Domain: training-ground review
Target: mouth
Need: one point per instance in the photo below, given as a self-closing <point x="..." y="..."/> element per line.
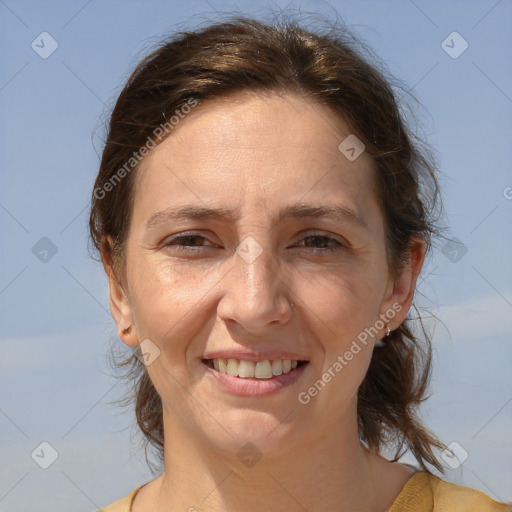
<point x="244" y="369"/>
<point x="254" y="378"/>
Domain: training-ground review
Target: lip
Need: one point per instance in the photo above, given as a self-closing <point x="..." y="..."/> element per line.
<point x="251" y="386"/>
<point x="255" y="355"/>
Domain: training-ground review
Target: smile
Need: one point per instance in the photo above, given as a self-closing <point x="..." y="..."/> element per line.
<point x="254" y="369"/>
<point x="252" y="378"/>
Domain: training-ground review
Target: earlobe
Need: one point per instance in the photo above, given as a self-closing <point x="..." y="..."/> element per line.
<point x="120" y="306"/>
<point x="122" y="312"/>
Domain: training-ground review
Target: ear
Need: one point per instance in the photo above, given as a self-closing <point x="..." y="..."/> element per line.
<point x="120" y="305"/>
<point x="401" y="288"/>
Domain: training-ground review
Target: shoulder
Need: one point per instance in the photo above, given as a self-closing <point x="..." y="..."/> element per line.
<point x="428" y="493"/>
<point x="122" y="505"/>
<point x="456" y="497"/>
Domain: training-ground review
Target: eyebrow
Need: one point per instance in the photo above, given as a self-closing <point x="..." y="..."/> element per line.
<point x="295" y="211"/>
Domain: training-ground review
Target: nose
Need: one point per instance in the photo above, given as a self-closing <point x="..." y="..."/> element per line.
<point x="257" y="292"/>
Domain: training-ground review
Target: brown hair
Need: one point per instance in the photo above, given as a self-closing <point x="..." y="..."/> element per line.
<point x="247" y="55"/>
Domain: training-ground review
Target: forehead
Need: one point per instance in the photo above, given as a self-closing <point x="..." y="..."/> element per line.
<point x="255" y="147"/>
<point x="261" y="121"/>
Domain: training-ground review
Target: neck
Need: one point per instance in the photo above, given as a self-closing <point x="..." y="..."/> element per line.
<point x="330" y="470"/>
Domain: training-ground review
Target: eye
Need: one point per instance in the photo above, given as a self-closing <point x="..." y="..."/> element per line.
<point x="188" y="242"/>
<point x="194" y="242"/>
<point x="322" y="240"/>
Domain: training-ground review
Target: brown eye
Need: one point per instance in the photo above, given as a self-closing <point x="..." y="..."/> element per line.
<point x="188" y="242"/>
<point x="320" y="242"/>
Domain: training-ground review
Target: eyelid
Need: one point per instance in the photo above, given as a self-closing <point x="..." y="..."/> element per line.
<point x="339" y="245"/>
<point x="338" y="238"/>
<point x="343" y="243"/>
<point x="187" y="234"/>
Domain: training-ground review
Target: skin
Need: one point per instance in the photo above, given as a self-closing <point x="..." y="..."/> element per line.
<point x="255" y="154"/>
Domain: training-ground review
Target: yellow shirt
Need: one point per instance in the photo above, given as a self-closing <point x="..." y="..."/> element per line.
<point x="422" y="493"/>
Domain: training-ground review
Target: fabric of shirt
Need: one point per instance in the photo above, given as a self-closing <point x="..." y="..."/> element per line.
<point x="423" y="492"/>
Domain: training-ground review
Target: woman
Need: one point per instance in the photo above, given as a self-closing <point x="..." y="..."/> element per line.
<point x="263" y="215"/>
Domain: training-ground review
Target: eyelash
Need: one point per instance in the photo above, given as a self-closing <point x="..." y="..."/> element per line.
<point x="182" y="247"/>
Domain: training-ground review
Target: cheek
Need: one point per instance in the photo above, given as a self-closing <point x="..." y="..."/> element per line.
<point x="343" y="310"/>
<point x="164" y="306"/>
<point x="160" y="301"/>
<point x="343" y="301"/>
<point x="167" y="301"/>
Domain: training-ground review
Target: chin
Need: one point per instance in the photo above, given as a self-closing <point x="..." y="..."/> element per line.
<point x="263" y="433"/>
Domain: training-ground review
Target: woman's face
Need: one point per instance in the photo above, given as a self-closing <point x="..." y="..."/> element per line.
<point x="204" y="287"/>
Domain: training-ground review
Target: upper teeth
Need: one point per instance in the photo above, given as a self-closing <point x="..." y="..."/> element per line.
<point x="259" y="370"/>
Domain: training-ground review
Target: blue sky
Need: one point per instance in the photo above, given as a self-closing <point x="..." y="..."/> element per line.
<point x="55" y="327"/>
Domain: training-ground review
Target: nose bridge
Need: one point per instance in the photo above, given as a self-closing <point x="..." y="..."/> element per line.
<point x="256" y="272"/>
<point x="255" y="295"/>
